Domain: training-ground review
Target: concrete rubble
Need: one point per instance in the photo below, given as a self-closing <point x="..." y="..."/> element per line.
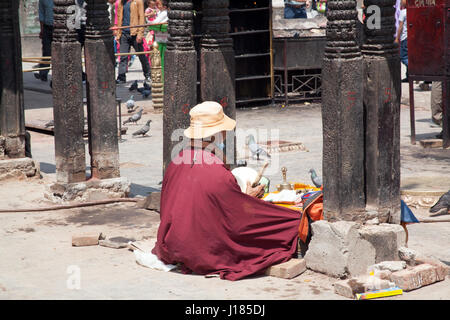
<point x="413" y="272"/>
<point x="91" y="190"/>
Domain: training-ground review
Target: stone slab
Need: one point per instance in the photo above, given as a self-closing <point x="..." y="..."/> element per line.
<point x="287" y="270"/>
<point x="349" y="287"/>
<point x="391" y="266"/>
<point x="442" y="270"/>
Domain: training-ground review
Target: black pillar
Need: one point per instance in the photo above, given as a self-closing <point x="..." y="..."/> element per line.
<point x="67" y="89"/>
<point x="217" y="62"/>
<point x="180" y="76"/>
<point x="101" y="92"/>
<point x="12" y="123"/>
<point x="342" y="116"/>
<point x="382" y="95"/>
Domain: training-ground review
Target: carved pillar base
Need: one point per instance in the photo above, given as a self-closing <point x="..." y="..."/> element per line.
<point x="158" y="95"/>
<point x="180" y="95"/>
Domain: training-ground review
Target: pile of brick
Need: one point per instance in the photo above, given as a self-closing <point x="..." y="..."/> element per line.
<point x="412" y="272"/>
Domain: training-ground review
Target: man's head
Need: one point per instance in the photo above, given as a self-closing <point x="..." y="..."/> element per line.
<point x="403" y="4"/>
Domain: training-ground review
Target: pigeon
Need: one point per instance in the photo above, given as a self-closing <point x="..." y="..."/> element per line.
<point x="135" y="117"/>
<point x="143" y="131"/>
<point x="50" y="124"/>
<point x="315" y="178"/>
<point x="130" y="104"/>
<point x="146" y="93"/>
<point x="140" y="90"/>
<point x="255" y="148"/>
<point x="134" y="86"/>
<point x="147" y="86"/>
<point x="443" y="203"/>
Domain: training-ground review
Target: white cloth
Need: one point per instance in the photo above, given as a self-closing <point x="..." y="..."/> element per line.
<point x="149" y="260"/>
<point x="283" y="195"/>
<point x="402" y="18"/>
<point x="161" y="17"/>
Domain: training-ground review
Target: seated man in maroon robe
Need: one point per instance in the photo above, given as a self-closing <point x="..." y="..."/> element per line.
<point x="208" y="224"/>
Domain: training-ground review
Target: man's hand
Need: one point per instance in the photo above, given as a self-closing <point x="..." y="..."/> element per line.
<point x="257" y="191"/>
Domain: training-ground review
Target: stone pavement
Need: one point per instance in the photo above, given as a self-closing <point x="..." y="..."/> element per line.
<point x="38" y="260"/>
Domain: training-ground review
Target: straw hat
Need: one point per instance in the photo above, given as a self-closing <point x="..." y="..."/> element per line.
<point x="207" y="119"/>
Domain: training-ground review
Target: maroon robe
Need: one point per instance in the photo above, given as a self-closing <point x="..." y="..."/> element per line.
<point x="211" y="227"/>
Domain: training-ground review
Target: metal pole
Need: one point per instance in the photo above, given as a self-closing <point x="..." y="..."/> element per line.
<point x="119" y="103"/>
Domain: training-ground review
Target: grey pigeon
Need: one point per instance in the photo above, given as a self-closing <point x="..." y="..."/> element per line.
<point x="315" y="178"/>
<point x="254" y="147"/>
<point x="134" y="86"/>
<point x="135" y="117"/>
<point x="146" y="93"/>
<point x="443" y="203"/>
<point x="143" y="131"/>
<point x="147" y="86"/>
<point x="130" y="104"/>
<point x="50" y="124"/>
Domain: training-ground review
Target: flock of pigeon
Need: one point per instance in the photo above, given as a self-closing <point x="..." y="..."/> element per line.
<point x="146" y="90"/>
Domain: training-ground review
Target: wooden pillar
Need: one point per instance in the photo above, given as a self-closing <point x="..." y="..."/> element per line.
<point x="342" y="116"/>
<point x="217" y="62"/>
<point x="67" y="97"/>
<point x="180" y="76"/>
<point x="101" y="92"/>
<point x="12" y="123"/>
<point x="382" y="95"/>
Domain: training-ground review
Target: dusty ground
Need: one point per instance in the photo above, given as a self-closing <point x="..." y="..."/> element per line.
<point x="35" y="248"/>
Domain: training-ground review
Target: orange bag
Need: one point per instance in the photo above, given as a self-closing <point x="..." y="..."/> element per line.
<point x="312" y="211"/>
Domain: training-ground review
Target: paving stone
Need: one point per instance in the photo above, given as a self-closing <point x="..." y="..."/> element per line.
<point x="415" y="277"/>
<point x="287" y="270"/>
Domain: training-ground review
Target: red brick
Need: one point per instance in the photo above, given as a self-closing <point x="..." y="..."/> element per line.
<point x="90" y="239"/>
<point x="442" y="269"/>
<point x="416" y="277"/>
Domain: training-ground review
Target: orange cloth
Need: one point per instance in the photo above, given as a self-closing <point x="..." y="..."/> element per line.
<point x="315" y="211"/>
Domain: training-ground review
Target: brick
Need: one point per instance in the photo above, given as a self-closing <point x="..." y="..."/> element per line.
<point x="287" y="270"/>
<point x="416" y="277"/>
<point x="384" y="274"/>
<point x="442" y="270"/>
<point x="407" y="255"/>
<point x="83" y="240"/>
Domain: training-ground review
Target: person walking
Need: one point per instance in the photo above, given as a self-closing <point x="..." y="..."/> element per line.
<point x="46" y="34"/>
<point x="131" y="13"/>
<point x="402" y="38"/>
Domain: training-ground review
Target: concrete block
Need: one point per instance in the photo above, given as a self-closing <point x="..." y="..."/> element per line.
<point x="386" y="239"/>
<point x="337" y="250"/>
<point x="442" y="270"/>
<point x="407" y="255"/>
<point x="391" y="266"/>
<point x="90" y="239"/>
<point x="287" y="270"/>
<point x="416" y="277"/>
